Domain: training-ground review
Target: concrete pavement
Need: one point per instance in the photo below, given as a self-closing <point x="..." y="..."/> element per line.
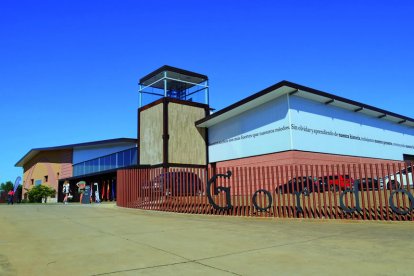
<point x="103" y="239"/>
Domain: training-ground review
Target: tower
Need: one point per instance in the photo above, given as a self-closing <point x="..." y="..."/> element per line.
<point x="167" y="135"/>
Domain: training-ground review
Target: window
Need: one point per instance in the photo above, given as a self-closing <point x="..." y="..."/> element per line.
<point x="127" y="158"/>
<point x="113" y="161"/>
<point x="95" y="165"/>
<point x="134" y="156"/>
<point x="32" y="182"/>
<point x="45" y="178"/>
<point x="120" y="159"/>
<point x="101" y="164"/>
<point x="107" y="161"/>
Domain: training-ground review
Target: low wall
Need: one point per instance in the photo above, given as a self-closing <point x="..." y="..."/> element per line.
<point x="341" y="191"/>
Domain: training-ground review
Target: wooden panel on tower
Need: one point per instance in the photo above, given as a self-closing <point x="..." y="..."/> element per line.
<point x="150" y="134"/>
<point x="186" y="143"/>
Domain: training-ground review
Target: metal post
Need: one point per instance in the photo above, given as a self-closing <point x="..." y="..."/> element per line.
<point x="206" y="94"/>
<point x="140" y="95"/>
<point x="165" y="84"/>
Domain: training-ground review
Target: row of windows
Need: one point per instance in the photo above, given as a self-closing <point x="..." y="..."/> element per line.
<point x="114" y="161"/>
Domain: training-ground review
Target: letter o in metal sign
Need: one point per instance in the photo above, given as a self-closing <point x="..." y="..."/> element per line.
<point x="410" y="199"/>
<point x="269" y="196"/>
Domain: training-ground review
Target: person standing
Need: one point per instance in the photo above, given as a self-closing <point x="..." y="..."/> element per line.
<point x="66" y="191"/>
<point x="97" y="200"/>
<point x="81" y="189"/>
<point x="10" y="196"/>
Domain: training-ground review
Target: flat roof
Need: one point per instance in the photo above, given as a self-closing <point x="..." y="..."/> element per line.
<point x="33" y="152"/>
<point x="286" y="87"/>
<point x="177" y="79"/>
<point x="172" y="69"/>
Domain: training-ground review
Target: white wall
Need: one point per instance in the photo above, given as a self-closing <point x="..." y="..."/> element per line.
<point x="258" y="131"/>
<point x="324" y="128"/>
<point x="83" y="154"/>
<point x="311" y="126"/>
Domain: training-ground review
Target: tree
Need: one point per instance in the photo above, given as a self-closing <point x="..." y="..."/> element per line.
<point x="6" y="186"/>
<point x="38" y="192"/>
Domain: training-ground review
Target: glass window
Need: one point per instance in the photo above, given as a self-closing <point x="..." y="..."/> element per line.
<point x="96" y="165"/>
<point x="120" y="159"/>
<point x="101" y="164"/>
<point x="87" y="167"/>
<point x="113" y="161"/>
<point x="78" y="169"/>
<point x="134" y="156"/>
<point x="107" y="162"/>
<point x="127" y="158"/>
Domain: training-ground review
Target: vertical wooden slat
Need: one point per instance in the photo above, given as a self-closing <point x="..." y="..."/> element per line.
<point x="185" y="190"/>
<point x="139" y="187"/>
<point x="404" y="202"/>
<point x="148" y="189"/>
<point x="380" y="177"/>
<point x="207" y="207"/>
<point x="119" y="178"/>
<point x="298" y="174"/>
<point x="273" y="185"/>
<point x="132" y="187"/>
<point x="374" y="197"/>
<point x="284" y="202"/>
<point x="289" y="187"/>
<point x="322" y="174"/>
<point x="196" y="190"/>
<point x="329" y="187"/>
<point x="249" y="193"/>
<point x="350" y="196"/>
<point x="243" y="191"/>
<point x="367" y="193"/>
<point x="180" y="191"/>
<point x="347" y="184"/>
<point x="268" y="188"/>
<point x="335" y="172"/>
<point x="238" y="193"/>
<point x="314" y="190"/>
<point x="232" y="183"/>
<point x="362" y="199"/>
<point x="390" y="171"/>
<point x="254" y="184"/>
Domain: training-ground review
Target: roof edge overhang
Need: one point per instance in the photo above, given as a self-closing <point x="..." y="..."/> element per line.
<point x="286" y="87"/>
<point x="33" y="152"/>
<point x="172" y="69"/>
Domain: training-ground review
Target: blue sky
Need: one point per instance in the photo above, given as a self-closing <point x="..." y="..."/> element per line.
<point x="69" y="69"/>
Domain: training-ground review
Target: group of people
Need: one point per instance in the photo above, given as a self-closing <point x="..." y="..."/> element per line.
<point x="81" y="190"/>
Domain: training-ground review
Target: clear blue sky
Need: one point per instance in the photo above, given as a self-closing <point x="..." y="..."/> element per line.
<point x="69" y="69"/>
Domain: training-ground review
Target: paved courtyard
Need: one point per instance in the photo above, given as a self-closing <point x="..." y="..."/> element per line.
<point x="107" y="240"/>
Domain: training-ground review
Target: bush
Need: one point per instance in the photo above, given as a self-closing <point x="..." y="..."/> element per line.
<point x="37" y="193"/>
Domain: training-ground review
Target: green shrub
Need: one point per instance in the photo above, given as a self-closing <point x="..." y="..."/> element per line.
<point x="38" y="192"/>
